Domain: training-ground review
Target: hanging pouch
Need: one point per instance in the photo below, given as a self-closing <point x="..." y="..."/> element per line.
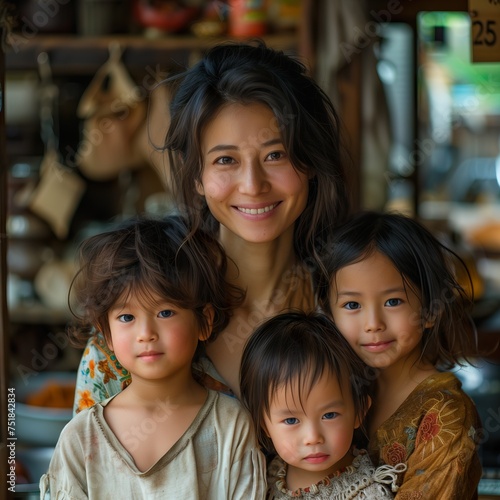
<point x="113" y="113"/>
<point x="57" y="195"/>
<point x="151" y="137"/>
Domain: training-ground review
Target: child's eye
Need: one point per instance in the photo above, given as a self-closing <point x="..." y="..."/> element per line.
<point x="291" y="421"/>
<point x="330" y="415"/>
<point x="126" y="318"/>
<point x="393" y="302"/>
<point x="167" y="313"/>
<point x="352" y="305"/>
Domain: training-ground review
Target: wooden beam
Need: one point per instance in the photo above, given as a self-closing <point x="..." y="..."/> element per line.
<point x="72" y="54"/>
<point x="406" y="11"/>
<point x="350" y="111"/>
<point x="4" y="331"/>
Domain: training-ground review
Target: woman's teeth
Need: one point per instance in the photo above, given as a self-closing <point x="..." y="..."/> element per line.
<point x="254" y="211"/>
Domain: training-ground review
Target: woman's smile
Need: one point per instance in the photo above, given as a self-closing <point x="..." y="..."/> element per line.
<point x="257" y="210"/>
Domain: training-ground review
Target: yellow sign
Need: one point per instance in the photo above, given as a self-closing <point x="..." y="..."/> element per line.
<point x="485" y="30"/>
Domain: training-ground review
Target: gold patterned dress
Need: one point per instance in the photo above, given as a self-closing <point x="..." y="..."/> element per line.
<point x="436" y="433"/>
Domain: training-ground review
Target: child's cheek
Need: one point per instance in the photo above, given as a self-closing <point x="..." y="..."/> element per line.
<point x="288" y="452"/>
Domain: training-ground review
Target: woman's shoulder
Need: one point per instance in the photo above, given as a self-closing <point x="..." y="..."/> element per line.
<point x="97" y="349"/>
<point x="99" y="374"/>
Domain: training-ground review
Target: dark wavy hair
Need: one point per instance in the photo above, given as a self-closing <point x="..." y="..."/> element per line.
<point x="427" y="267"/>
<point x="247" y="73"/>
<point x="147" y="256"/>
<point x="298" y="347"/>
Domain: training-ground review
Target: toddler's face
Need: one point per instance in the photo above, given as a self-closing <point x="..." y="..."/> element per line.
<point x="313" y="436"/>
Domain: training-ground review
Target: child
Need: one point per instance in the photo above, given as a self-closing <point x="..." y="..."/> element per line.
<point x="304" y="388"/>
<point x="394" y="296"/>
<point x="156" y="297"/>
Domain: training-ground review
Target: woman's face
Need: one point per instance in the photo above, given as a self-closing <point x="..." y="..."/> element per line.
<point x="248" y="181"/>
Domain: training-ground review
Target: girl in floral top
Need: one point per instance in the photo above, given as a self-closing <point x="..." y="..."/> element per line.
<point x="393" y="293"/>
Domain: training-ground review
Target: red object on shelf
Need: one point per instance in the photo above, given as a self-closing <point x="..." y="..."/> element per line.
<point x="247" y="18"/>
<point x="171" y="17"/>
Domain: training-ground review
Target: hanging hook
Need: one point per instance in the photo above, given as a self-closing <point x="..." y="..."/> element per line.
<point x="48" y="103"/>
<point x="115" y="51"/>
<point x="44" y="67"/>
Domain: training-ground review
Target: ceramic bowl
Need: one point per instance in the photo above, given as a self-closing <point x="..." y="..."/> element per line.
<point x="37" y="425"/>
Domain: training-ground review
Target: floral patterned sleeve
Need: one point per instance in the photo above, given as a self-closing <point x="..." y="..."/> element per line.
<point x="445" y="463"/>
<point x="99" y="376"/>
<point x="435" y="433"/>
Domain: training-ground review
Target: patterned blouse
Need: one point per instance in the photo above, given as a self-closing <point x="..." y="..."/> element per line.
<point x="435" y="432"/>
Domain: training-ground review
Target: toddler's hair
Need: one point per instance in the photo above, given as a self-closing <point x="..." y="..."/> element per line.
<point x="427" y="267"/>
<point x="298" y="348"/>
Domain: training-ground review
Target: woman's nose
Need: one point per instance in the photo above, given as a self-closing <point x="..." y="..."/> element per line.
<point x="253" y="179"/>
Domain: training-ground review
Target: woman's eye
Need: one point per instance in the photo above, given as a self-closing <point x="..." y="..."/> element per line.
<point x="291" y="421"/>
<point x="330" y="415"/>
<point x="125" y="318"/>
<point x="167" y="313"/>
<point x="275" y="155"/>
<point x="224" y="160"/>
<point x="393" y="302"/>
<point x="351" y="305"/>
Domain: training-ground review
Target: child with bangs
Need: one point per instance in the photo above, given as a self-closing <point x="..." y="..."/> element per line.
<point x="305" y="389"/>
<point x="156" y="298"/>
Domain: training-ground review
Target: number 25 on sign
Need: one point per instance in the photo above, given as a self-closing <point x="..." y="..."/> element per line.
<point x="485" y="30"/>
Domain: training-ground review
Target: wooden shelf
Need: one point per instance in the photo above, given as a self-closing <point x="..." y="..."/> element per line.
<point x="38" y="314"/>
<point x="73" y="54"/>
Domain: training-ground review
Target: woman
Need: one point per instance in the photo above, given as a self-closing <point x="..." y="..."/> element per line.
<point x="256" y="159"/>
